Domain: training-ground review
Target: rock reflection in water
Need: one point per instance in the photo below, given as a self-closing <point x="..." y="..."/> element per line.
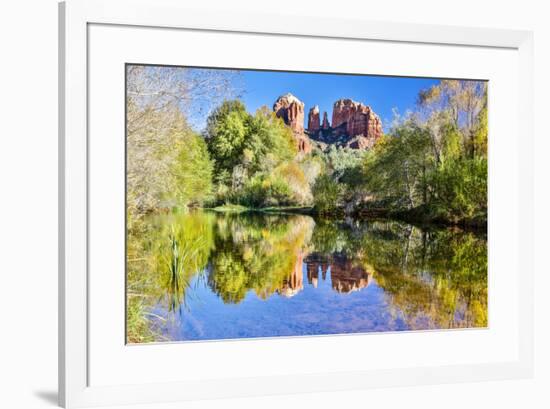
<point x="219" y="276"/>
<point x="346" y="277"/>
<point x="295" y="282"/>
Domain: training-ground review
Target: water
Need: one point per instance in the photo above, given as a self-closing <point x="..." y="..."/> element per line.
<point x="224" y="276"/>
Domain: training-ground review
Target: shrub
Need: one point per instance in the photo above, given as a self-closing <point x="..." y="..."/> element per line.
<point x="264" y="191"/>
<point x="326" y="192"/>
<point x="292" y="174"/>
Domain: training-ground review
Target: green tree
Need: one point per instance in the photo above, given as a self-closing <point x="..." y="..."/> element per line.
<point x="460" y="190"/>
<point x="226" y="131"/>
<point x="480" y="133"/>
<point x="268" y="143"/>
<point x="396" y="170"/>
<point x="192" y="170"/>
<point x="339" y="160"/>
<point x="463" y="100"/>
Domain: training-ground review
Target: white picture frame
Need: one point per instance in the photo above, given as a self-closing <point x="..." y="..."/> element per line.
<point x="75" y="19"/>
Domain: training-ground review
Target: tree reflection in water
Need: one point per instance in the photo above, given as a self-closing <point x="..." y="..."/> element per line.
<point x="202" y="261"/>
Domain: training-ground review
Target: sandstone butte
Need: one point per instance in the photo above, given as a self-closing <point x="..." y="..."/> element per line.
<point x="291" y="110"/>
<point x="354" y="124"/>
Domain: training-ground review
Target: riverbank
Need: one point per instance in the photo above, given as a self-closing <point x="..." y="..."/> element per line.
<point x="419" y="217"/>
<point x="231" y="208"/>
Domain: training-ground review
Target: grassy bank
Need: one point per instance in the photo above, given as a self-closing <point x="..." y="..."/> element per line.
<point x="418" y="216"/>
<point x="227" y="208"/>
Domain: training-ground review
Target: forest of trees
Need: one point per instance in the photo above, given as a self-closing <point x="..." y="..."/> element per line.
<point x="430" y="166"/>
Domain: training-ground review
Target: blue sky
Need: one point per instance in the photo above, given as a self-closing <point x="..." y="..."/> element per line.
<point x="381" y="93"/>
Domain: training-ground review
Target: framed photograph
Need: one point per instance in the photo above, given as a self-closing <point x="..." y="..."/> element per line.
<point x="261" y="204"/>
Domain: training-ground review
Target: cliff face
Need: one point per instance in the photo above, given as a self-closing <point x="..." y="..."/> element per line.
<point x="354" y="124"/>
<point x="354" y="118"/>
<point x="291" y="110"/>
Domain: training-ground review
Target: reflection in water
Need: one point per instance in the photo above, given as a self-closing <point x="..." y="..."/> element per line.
<point x="345" y="276"/>
<point x="216" y="276"/>
<point x="294" y="283"/>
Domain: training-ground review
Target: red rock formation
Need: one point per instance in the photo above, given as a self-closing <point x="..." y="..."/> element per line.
<point x="354" y="124"/>
<point x="325" y="125"/>
<point x="291" y="110"/>
<point x="354" y="118"/>
<point x="313" y="121"/>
